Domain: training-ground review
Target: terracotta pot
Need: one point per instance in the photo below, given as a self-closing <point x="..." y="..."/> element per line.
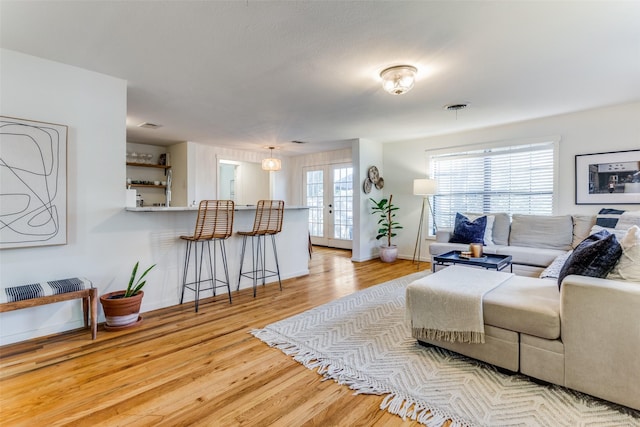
<point x="121" y="312"/>
<point x="388" y="253"/>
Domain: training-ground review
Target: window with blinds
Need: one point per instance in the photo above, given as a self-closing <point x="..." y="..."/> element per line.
<point x="516" y="179"/>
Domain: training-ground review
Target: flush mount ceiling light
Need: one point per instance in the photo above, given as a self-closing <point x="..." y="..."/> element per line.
<point x="271" y="163"/>
<point x="399" y="79"/>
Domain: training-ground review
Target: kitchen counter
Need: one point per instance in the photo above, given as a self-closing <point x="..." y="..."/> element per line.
<point x="164" y="225"/>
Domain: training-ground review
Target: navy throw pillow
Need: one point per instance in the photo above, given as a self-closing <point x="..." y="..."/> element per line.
<point x="595" y="256"/>
<point x="608" y="218"/>
<point x="466" y="231"/>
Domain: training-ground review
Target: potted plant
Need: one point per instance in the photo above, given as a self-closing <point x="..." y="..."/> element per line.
<point x="386" y="226"/>
<point x="122" y="308"/>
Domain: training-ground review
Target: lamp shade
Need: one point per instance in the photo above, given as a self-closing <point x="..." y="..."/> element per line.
<point x="271" y="164"/>
<point x="425" y="187"/>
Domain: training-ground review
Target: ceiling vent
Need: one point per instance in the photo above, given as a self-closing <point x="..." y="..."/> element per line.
<point x="455" y="107"/>
<point x="299" y="142"/>
<point x="148" y="125"/>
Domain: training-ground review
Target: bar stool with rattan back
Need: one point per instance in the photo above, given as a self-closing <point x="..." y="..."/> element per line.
<point x="268" y="222"/>
<point x="214" y="223"/>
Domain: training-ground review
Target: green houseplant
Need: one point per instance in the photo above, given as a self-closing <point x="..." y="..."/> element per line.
<point x="385" y="210"/>
<point x="122" y="308"/>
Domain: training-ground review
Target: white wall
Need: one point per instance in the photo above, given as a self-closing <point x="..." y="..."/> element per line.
<point x="93" y="106"/>
<point x="366" y="154"/>
<point x="606" y="129"/>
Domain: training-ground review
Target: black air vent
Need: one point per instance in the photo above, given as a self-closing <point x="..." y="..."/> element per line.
<point x="148" y="125"/>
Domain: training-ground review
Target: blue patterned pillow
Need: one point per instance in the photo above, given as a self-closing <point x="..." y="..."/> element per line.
<point x="466" y="231"/>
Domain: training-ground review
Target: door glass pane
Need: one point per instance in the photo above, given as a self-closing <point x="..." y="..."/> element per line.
<point x="315" y="201"/>
<point x="343" y="203"/>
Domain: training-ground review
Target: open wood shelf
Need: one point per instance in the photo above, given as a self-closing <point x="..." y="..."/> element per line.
<point x="147" y="185"/>
<point x="148" y="165"/>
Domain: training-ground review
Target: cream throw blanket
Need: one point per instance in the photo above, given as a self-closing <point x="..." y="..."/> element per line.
<point x="447" y="305"/>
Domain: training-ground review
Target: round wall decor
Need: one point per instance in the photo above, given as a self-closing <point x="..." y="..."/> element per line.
<point x="373" y="174"/>
<point x="366" y="186"/>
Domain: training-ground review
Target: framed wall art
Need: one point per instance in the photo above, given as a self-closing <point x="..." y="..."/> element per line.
<point x="33" y="183"/>
<point x="608" y="178"/>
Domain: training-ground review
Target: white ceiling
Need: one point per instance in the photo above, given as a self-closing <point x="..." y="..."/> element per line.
<point x="248" y="74"/>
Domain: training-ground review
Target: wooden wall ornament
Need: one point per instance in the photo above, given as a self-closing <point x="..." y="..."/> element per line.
<point x="373" y="179"/>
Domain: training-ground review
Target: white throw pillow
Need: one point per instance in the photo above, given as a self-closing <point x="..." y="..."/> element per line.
<point x="488" y="230"/>
<point x="628" y="219"/>
<point x="628" y="267"/>
<point x="618" y="233"/>
<point x="553" y="270"/>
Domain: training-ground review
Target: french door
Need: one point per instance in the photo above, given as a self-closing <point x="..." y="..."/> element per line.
<point x="328" y="191"/>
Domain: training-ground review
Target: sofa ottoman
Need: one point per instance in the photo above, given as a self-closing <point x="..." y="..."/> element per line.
<point x="518" y="305"/>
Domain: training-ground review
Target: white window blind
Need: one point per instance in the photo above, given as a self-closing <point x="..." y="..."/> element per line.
<point x="516" y="179"/>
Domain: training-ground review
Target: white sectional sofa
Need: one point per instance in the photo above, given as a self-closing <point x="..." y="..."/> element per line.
<point x="534" y="241"/>
<point x="584" y="334"/>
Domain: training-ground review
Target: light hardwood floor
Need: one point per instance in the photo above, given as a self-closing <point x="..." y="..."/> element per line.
<point x="186" y="368"/>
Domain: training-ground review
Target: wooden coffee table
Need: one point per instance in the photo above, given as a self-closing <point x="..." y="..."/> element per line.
<point x="488" y="261"/>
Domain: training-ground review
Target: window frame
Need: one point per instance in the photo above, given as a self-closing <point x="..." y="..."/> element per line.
<point x="554" y="141"/>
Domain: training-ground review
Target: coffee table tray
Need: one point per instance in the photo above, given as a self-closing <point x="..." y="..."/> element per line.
<point x="488" y="261"/>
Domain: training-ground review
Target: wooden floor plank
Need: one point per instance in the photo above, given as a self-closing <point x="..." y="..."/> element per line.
<point x="185" y="368"/>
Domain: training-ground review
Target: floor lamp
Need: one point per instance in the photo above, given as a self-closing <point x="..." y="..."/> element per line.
<point x="425" y="188"/>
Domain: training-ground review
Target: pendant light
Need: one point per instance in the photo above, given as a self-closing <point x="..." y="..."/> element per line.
<point x="271" y="163"/>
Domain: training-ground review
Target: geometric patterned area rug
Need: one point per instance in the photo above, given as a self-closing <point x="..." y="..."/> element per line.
<point x="363" y="341"/>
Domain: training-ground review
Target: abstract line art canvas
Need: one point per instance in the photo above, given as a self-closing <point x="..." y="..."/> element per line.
<point x="33" y="183"/>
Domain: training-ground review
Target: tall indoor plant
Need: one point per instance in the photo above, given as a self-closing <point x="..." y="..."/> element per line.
<point x="122" y="308"/>
<point x="386" y="226"/>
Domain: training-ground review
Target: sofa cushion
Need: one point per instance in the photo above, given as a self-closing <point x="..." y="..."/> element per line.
<point x="538" y="257"/>
<point x="627" y="220"/>
<point x="466" y="231"/>
<point x="628" y="267"/>
<point x="582" y="227"/>
<point x="595" y="256"/>
<point x="542" y="231"/>
<point x="618" y="233"/>
<point x="608" y="217"/>
<point x="525" y="304"/>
